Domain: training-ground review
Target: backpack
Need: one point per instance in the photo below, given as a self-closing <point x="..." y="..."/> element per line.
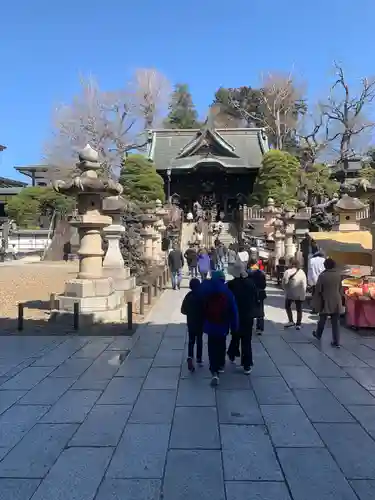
<point x="216" y="309"/>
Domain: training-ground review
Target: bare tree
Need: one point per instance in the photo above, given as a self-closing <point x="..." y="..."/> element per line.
<point x="152" y="92"/>
<point x="112" y="122"/>
<point x="311" y="138"/>
<point x="280" y="102"/>
<point x="345" y="114"/>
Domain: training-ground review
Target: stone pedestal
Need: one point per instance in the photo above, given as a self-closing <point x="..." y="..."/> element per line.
<point x="96" y="295"/>
<point x="279" y="237"/>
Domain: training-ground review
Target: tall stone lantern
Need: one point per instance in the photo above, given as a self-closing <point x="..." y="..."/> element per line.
<point x="113" y="263"/>
<point x="95" y="294"/>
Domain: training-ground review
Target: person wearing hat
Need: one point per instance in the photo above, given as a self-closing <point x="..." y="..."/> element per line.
<point x="220" y="315"/>
<point x="248" y="304"/>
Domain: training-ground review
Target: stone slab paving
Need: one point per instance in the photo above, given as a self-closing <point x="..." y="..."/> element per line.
<point x="77" y="423"/>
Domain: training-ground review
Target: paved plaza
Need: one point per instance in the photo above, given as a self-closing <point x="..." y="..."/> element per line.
<point x="77" y="423"/>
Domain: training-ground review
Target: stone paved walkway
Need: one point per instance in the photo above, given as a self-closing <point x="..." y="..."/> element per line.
<point x="76" y="426"/>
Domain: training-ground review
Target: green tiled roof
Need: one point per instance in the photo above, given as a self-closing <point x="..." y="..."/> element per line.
<point x="247" y="144"/>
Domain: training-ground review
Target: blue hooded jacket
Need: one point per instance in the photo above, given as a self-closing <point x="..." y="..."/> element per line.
<point x="218" y="286"/>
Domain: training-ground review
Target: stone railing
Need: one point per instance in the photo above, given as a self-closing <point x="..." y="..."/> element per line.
<point x="257" y="213"/>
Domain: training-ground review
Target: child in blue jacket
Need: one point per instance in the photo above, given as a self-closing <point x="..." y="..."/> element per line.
<point x="220" y="315"/>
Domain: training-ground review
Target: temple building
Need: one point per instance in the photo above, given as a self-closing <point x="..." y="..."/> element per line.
<point x="215" y="166"/>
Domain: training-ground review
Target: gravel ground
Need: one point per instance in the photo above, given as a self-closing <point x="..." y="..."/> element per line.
<point x="32" y="284"/>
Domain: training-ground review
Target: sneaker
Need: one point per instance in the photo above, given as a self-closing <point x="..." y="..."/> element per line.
<point x="215" y="381"/>
<point x="221" y="370"/>
<point x="315" y="335"/>
<point x="259" y="332"/>
<point x="298" y="327"/>
<point x="335" y="344"/>
<point x="200" y="362"/>
<point x="289" y="325"/>
<point x="190" y="364"/>
<point x="247" y="372"/>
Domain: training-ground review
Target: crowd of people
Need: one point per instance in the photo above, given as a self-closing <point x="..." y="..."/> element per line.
<point x="217" y="307"/>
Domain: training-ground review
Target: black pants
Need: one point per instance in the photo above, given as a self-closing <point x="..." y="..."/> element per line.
<point x="335" y="322"/>
<point x="203" y="275"/>
<point x="195" y="337"/>
<point x="216" y="352"/>
<point x="193" y="271"/>
<point x="242" y="339"/>
<point x="260" y="324"/>
<point x="288" y="308"/>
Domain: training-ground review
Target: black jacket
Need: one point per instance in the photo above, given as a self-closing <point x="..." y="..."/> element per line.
<point x="248" y="303"/>
<point x="191" y="257"/>
<point x="259" y="278"/>
<point x="192" y="308"/>
<point x="175" y="260"/>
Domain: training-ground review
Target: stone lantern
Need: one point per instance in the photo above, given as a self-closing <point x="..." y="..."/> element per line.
<point x="289" y="223"/>
<point x="147" y="233"/>
<point x="160" y="228"/>
<point x="95" y="293"/>
<point x="270" y="212"/>
<point x="279" y="237"/>
<point x="113" y="264"/>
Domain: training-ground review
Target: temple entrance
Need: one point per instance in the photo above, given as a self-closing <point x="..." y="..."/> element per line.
<point x="217" y="190"/>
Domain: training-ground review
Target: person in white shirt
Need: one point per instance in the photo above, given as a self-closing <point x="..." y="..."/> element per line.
<point x="243" y="256"/>
<point x="189" y="217"/>
<point x="315" y="268"/>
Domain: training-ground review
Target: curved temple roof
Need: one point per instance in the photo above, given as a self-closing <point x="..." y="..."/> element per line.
<point x="185" y="149"/>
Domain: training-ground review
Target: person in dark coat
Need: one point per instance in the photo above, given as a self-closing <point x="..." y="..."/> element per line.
<point x="327" y="301"/>
<point x="192" y="308"/>
<point x="305" y="247"/>
<point x="176" y="263"/>
<point x="259" y="278"/>
<point x="192" y="261"/>
<point x="246" y="297"/>
<point x="213" y="259"/>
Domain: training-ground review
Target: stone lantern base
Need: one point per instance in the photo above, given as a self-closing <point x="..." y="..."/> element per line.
<point x="98" y="299"/>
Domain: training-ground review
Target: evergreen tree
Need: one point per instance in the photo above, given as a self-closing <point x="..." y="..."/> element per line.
<point x="278" y="178"/>
<point x="140" y="180"/>
<point x="32" y="202"/>
<point x="182" y="112"/>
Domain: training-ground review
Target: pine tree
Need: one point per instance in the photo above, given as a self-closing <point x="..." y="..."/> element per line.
<point x="182" y="112"/>
<point x="140" y="180"/>
<point x="278" y="178"/>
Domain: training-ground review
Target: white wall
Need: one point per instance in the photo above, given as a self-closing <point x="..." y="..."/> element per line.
<point x="29" y="240"/>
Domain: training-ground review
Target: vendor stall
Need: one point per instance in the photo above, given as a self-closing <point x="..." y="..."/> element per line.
<point x="360" y="302"/>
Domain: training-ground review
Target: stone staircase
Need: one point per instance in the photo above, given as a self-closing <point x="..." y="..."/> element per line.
<point x="225" y="235"/>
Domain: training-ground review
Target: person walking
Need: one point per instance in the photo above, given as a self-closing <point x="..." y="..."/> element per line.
<point x="246" y="296"/>
<point x="214" y="260"/>
<point x="315" y="269"/>
<point x="294" y="284"/>
<point x="243" y="256"/>
<point x="259" y="278"/>
<point x="203" y="263"/>
<point x="220" y="256"/>
<point x="192" y="308"/>
<point x="192" y="261"/>
<point x="231" y="255"/>
<point x="220" y="315"/>
<point x="305" y="248"/>
<point x="327" y="301"/>
<point x="176" y="263"/>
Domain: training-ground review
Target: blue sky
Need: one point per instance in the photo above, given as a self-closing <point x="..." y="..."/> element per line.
<point x="45" y="45"/>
